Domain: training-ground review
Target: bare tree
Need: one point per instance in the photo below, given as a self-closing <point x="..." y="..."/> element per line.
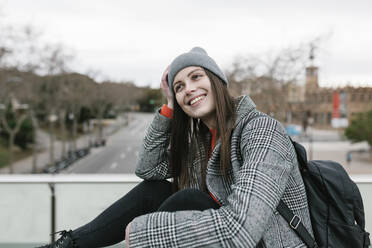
<point x="5" y="43"/>
<point x="81" y="92"/>
<point x="35" y="125"/>
<point x="62" y="104"/>
<point x="49" y="91"/>
<point x="22" y="51"/>
<point x="55" y="61"/>
<point x="18" y="115"/>
<point x="15" y="96"/>
<point x="266" y="77"/>
<point x="99" y="104"/>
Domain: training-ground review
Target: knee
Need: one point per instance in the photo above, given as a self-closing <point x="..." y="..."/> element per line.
<point x="155" y="186"/>
<point x="185" y="195"/>
<point x="187" y="199"/>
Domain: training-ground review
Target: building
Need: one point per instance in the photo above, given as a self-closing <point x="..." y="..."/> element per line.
<point x="326" y="107"/>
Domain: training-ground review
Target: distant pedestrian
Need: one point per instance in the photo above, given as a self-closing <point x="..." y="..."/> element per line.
<point x="348" y="157"/>
<point x="230" y="166"/>
<point x="304" y="125"/>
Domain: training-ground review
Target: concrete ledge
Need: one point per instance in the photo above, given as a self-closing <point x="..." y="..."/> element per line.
<point x="70" y="178"/>
<point x="107" y="178"/>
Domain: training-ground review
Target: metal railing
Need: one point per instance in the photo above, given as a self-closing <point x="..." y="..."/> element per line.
<point x="33" y="206"/>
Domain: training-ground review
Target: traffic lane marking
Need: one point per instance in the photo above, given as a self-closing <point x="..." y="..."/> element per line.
<point x="114" y="165"/>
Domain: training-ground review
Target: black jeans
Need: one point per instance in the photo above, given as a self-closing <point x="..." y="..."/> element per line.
<point x="149" y="196"/>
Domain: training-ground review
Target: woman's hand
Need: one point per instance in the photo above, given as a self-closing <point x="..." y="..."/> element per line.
<point x="127" y="230"/>
<point x="167" y="92"/>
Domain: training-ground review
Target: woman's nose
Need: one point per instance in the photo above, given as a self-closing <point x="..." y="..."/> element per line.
<point x="190" y="88"/>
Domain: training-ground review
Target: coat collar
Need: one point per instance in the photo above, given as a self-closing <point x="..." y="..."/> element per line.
<point x="244" y="106"/>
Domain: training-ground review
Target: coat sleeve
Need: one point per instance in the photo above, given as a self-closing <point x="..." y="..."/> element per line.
<point x="242" y="221"/>
<point x="153" y="158"/>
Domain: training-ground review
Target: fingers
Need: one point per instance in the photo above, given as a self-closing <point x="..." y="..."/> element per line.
<point x="164" y="84"/>
<point x="164" y="78"/>
<point x="127" y="230"/>
<point x="167" y="92"/>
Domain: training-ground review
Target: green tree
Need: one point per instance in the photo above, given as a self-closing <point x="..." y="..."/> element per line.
<point x="150" y="100"/>
<point x="25" y="134"/>
<point x="360" y="128"/>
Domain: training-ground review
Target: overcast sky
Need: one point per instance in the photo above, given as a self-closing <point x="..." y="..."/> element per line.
<point x="135" y="40"/>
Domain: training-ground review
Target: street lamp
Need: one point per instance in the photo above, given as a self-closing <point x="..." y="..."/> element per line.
<point x="2" y="109"/>
<point x="71" y="117"/>
<point x="51" y="118"/>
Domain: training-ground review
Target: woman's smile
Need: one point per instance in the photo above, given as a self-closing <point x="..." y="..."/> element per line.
<point x="195" y="101"/>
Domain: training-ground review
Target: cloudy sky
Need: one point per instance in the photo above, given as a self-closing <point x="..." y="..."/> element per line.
<point x="135" y="40"/>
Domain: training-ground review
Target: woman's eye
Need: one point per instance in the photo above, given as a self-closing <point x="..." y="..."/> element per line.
<point x="177" y="87"/>
<point x="196" y="76"/>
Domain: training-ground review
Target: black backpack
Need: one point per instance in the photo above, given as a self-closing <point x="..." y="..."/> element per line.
<point x="335" y="204"/>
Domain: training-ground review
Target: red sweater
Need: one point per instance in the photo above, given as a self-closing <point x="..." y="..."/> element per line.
<point x="168" y="112"/>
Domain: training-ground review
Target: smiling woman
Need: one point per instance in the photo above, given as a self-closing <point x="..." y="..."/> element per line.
<point x="194" y="94"/>
<point x="230" y="166"/>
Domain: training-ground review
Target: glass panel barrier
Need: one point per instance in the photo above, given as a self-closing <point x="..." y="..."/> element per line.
<point x="26" y="213"/>
<point x="26" y="204"/>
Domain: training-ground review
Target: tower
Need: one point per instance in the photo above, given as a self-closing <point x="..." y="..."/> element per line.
<point x="311" y="73"/>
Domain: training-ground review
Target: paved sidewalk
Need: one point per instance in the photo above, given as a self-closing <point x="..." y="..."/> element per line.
<point x="336" y="150"/>
<point x="43" y="158"/>
<point x="332" y="145"/>
<point x="25" y="166"/>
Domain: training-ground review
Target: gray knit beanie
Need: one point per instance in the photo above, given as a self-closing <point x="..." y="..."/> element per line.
<point x="196" y="57"/>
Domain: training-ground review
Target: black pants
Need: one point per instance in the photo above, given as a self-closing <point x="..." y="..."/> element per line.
<point x="149" y="196"/>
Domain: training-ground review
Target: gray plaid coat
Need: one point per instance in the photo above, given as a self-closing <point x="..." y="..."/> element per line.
<point x="264" y="170"/>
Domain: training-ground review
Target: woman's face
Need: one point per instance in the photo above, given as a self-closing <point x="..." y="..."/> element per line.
<point x="192" y="88"/>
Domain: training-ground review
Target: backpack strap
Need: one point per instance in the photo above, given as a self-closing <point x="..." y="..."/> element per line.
<point x="367" y="242"/>
<point x="293" y="220"/>
<point x="295" y="223"/>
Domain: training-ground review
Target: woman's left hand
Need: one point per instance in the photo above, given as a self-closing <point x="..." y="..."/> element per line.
<point x="127" y="236"/>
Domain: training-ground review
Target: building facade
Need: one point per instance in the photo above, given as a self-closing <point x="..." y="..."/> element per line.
<point x="326" y="107"/>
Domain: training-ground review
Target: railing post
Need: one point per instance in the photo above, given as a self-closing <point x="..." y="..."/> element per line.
<point x="53" y="212"/>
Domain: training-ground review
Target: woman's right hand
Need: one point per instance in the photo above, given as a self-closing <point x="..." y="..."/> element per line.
<point x="167" y="92"/>
<point x="127" y="230"/>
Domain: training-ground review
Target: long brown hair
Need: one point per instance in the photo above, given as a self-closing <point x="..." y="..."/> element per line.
<point x="188" y="136"/>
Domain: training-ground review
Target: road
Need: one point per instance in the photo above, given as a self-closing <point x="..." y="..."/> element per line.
<point x="120" y="153"/>
<point x="121" y="150"/>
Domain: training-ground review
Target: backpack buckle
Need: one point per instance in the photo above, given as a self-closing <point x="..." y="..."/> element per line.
<point x="295" y="221"/>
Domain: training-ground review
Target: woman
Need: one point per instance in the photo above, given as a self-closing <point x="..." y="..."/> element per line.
<point x="230" y="165"/>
